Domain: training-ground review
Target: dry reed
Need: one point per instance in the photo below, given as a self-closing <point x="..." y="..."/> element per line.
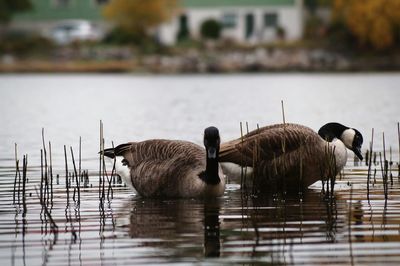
<point x="24" y="171"/>
<point x="17" y="175"/>
<point x="398" y="136"/>
<point x="77" y="183"/>
<point x="370" y="162"/>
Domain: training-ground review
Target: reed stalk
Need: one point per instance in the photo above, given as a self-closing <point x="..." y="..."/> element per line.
<point x="385" y="164"/>
<point x="398" y="164"/>
<point x="284" y="146"/>
<point x="16" y="173"/>
<point x="66" y="172"/>
<point x="333" y="172"/>
<point x="113" y="171"/>
<point x="76" y="178"/>
<point x="80" y="156"/>
<point x="112" y="178"/>
<point x="390" y="165"/>
<point x="284" y="127"/>
<point x="349" y="224"/>
<point x="384" y="146"/>
<point x="384" y="178"/>
<point x="45" y="171"/>
<point x="53" y="225"/>
<point x="301" y="182"/>
<point x="24" y="170"/>
<point x="370" y="161"/>
<point x="245" y="168"/>
<point x="42" y="174"/>
<point x="241" y="157"/>
<point x="19" y="182"/>
<point x="104" y="176"/>
<point x="51" y="176"/>
<point x="101" y="157"/>
<point x="109" y="181"/>
<point x="256" y="156"/>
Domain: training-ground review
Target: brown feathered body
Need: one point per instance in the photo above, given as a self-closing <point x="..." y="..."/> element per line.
<point x="167" y="168"/>
<point x="285" y="154"/>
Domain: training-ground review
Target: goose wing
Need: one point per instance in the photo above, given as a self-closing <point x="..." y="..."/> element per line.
<point x="266" y="144"/>
<point x="158" y="166"/>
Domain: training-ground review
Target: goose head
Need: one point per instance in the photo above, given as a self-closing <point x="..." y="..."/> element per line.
<point x="211" y="142"/>
<point x="351" y="137"/>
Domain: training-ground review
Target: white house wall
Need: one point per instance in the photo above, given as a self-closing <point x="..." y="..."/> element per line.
<point x="289" y="18"/>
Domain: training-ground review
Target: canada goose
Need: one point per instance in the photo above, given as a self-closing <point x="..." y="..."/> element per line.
<point x="292" y="154"/>
<point x="171" y="168"/>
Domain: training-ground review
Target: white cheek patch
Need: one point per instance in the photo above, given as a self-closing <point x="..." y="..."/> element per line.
<point x="122" y="170"/>
<point x="347" y="137"/>
<point x="340" y="152"/>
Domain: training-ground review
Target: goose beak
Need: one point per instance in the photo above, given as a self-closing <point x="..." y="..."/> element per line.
<point x="357" y="152"/>
<point x="212" y="153"/>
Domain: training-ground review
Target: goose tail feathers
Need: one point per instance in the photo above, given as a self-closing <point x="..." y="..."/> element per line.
<point x="108" y="153"/>
<point x="119" y="150"/>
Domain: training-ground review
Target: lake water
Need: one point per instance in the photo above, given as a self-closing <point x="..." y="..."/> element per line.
<point x="125" y="229"/>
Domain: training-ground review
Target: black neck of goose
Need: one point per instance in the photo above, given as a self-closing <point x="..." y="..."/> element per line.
<point x="331" y="131"/>
<point x="211" y="176"/>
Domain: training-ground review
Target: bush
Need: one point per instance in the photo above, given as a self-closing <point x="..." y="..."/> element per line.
<point x="211" y="29"/>
<point x="121" y="36"/>
<point x="281" y="32"/>
<point x="145" y="44"/>
<point x="23" y="43"/>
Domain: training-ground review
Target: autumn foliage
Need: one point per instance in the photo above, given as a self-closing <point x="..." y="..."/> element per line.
<point x="139" y="16"/>
<point x="372" y="22"/>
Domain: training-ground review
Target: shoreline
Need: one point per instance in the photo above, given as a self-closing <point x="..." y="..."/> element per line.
<point x="72" y="67"/>
<point x="205" y="62"/>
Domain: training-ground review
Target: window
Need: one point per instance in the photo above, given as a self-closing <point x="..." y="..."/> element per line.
<point x="270" y="20"/>
<point x="101" y="2"/>
<point x="183" y="32"/>
<point x="249" y="30"/>
<point x="229" y="20"/>
<point x="61" y="3"/>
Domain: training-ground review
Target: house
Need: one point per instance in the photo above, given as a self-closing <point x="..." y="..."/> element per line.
<point x="48" y="13"/>
<point x="244" y="21"/>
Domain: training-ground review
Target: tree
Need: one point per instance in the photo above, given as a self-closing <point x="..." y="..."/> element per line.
<point x="139" y="16"/>
<point x="210" y="29"/>
<point x="313" y="5"/>
<point x="372" y="22"/>
<point x="9" y="7"/>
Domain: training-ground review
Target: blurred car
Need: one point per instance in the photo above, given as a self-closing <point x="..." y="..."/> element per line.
<point x="68" y="31"/>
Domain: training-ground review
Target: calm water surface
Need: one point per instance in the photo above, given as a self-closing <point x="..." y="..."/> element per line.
<point x="236" y="228"/>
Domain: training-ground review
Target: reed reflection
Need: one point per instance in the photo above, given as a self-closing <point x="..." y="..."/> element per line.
<point x="289" y="217"/>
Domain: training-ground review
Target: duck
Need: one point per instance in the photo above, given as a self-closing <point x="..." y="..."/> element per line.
<point x="160" y="168"/>
<point x="291" y="154"/>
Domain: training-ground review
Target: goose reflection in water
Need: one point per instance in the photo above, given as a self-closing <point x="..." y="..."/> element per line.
<point x="212" y="242"/>
<point x="175" y="225"/>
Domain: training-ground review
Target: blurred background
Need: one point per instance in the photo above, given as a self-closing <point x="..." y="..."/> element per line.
<point x="170" y="68"/>
<point x="192" y="36"/>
